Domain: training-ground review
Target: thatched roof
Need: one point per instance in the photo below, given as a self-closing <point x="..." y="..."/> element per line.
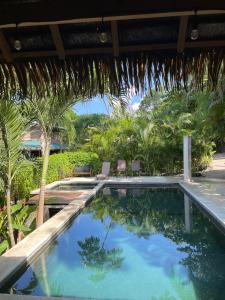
<point x="148" y="44"/>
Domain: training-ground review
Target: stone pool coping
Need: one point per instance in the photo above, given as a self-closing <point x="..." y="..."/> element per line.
<point x="208" y="194"/>
<point x="68" y="181"/>
<point x="29" y="247"/>
<point x="116" y="180"/>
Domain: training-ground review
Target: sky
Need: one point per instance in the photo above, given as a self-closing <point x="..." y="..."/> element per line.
<point x="99" y="105"/>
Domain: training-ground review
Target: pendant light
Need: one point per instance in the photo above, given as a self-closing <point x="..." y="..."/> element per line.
<point x="17" y="42"/>
<point x="194" y="30"/>
<point x="103" y="37"/>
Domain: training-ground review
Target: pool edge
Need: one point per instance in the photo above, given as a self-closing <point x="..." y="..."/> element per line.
<point x="25" y="251"/>
<point x="187" y="188"/>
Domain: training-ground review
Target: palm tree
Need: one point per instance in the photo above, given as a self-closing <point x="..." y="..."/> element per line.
<point x="69" y="132"/>
<point x="49" y="113"/>
<point x="12" y="127"/>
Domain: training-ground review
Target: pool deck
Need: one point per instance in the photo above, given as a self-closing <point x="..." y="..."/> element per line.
<point x="208" y="193"/>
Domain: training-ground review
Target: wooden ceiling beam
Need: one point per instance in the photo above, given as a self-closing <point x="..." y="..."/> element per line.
<point x="70" y="52"/>
<point x="57" y="39"/>
<point x="148" y="47"/>
<point x="205" y="44"/>
<point x="117" y="18"/>
<point x="115" y="38"/>
<point x="122" y="49"/>
<point x="4" y="46"/>
<point x="182" y="34"/>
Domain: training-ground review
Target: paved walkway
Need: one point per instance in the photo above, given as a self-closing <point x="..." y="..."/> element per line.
<point x="210" y="194"/>
<point x="216" y="168"/>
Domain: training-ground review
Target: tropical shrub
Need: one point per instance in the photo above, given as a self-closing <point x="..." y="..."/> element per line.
<point x="59" y="167"/>
<point x="85" y="123"/>
<point x="25" y="181"/>
<point x="22" y="221"/>
<point x="81" y="158"/>
<point x="155" y="134"/>
<point x="62" y="165"/>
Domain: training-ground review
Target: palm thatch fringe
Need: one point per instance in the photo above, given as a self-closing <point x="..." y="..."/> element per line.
<point x="91" y="75"/>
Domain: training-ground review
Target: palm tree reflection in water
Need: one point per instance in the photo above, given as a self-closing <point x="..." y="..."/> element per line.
<point x="170" y="215"/>
<point x="97" y="257"/>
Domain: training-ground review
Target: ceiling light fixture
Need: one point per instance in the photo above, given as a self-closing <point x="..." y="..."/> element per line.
<point x="194" y="31"/>
<point x="103" y="37"/>
<point x="17" y="41"/>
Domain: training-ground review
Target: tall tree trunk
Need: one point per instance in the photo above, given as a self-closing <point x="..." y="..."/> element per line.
<point x="9" y="217"/>
<point x="40" y="213"/>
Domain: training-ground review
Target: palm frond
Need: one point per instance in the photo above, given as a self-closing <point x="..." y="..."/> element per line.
<point x="11" y="131"/>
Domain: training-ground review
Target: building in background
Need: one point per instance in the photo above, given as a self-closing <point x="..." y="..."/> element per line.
<point x="33" y="140"/>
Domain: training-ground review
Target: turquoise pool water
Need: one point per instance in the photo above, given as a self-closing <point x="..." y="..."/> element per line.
<point x="74" y="186"/>
<point x="134" y="244"/>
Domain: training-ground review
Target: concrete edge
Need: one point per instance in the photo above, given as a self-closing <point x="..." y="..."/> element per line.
<point x="83" y="199"/>
<point x="26" y="250"/>
<point x="22" y="253"/>
<point x="67" y="181"/>
<point x="187" y="188"/>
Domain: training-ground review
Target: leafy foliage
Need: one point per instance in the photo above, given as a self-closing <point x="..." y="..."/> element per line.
<point x="155" y="134"/>
<point x="96" y="256"/>
<point x="12" y="127"/>
<point x="49" y="112"/>
<point x="20" y="217"/>
<point x="25" y="181"/>
<point x="85" y="124"/>
<point x="82" y="158"/>
<point x="11" y="130"/>
<point x="61" y="165"/>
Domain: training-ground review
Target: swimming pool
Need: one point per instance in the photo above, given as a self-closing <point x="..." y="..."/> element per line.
<point x="132" y="243"/>
<point x="74" y="186"/>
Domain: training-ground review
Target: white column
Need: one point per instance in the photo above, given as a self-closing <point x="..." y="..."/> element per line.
<point x="187" y="157"/>
<point x="188" y="214"/>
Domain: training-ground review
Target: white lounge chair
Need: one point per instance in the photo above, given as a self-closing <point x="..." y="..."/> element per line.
<point x="105" y="171"/>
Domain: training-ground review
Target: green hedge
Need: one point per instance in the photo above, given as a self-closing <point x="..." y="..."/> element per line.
<point x="81" y="158"/>
<point x="60" y="166"/>
<point x="24" y="181"/>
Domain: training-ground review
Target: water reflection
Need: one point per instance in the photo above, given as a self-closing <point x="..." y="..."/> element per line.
<point x="149" y="214"/>
<point x="101" y="260"/>
<point x="188" y="214"/>
<point x="122" y="193"/>
<point x="127" y="244"/>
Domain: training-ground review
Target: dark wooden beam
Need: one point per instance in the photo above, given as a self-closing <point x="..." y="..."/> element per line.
<point x="149" y="47"/>
<point x="44" y="53"/>
<point x="119" y="18"/>
<point x="28" y="54"/>
<point x="205" y="44"/>
<point x="122" y="49"/>
<point x="115" y="38"/>
<point x="4" y="46"/>
<point x="56" y="36"/>
<point x="182" y="34"/>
